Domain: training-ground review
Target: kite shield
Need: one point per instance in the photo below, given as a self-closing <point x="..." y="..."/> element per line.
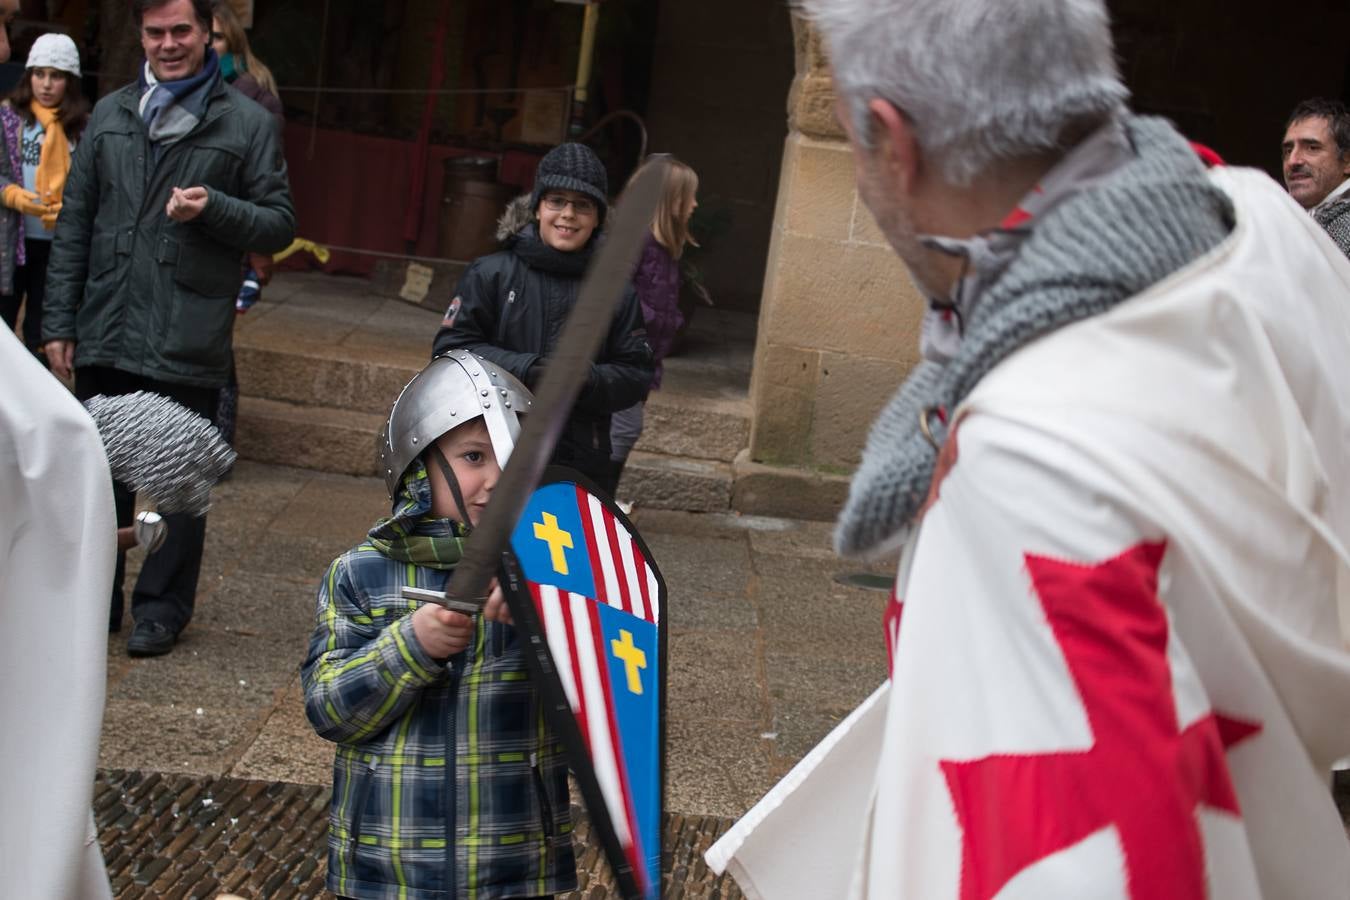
<point x="581" y="578"/>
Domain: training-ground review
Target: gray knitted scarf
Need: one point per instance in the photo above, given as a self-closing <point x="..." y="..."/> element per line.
<point x="1156" y="214"/>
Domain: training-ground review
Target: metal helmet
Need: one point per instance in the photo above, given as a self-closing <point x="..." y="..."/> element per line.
<point x="454" y="388"/>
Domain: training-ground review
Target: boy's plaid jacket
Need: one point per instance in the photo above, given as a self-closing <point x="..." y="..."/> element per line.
<point x="446" y="782"/>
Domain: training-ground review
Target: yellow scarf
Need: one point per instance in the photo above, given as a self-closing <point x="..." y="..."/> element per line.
<point x="54" y="163"/>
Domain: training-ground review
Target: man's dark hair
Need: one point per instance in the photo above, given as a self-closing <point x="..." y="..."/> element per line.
<point x="200" y="8"/>
<point x="1334" y="111"/>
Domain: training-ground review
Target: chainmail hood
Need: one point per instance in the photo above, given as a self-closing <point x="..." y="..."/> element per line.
<point x="1155" y="215"/>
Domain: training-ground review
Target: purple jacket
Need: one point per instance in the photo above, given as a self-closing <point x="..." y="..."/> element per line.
<point x="11" y="223"/>
<point x="247" y="85"/>
<point x="657" y="280"/>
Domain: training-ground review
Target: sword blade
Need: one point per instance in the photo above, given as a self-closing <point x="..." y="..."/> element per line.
<point x="601" y="290"/>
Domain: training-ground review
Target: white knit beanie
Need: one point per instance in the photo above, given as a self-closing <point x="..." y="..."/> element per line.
<point x="55" y="51"/>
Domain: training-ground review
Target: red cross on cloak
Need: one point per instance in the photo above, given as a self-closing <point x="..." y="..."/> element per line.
<point x="1141" y="775"/>
<point x="891" y="621"/>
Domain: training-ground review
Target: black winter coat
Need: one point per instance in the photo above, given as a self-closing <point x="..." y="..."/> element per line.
<point x="512" y="311"/>
<point x="138" y="291"/>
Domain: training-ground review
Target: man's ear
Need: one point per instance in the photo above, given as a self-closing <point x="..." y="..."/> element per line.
<point x="896" y="143"/>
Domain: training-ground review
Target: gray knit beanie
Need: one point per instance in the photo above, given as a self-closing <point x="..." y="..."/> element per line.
<point x="572" y="167"/>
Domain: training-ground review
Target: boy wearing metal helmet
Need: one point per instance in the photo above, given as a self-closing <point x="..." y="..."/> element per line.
<point x="446" y="782"/>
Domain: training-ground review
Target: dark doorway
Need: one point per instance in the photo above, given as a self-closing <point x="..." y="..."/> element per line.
<point x="1229" y="71"/>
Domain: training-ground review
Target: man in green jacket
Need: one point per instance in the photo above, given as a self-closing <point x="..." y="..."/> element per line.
<point x="175" y="178"/>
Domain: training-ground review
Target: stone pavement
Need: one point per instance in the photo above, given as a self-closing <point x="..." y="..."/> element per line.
<point x="212" y="779"/>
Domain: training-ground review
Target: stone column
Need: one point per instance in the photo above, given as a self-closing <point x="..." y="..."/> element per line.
<point x="839" y="319"/>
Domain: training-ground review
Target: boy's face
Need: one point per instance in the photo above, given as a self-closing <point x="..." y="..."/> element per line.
<point x="567" y="219"/>
<point x="469" y="452"/>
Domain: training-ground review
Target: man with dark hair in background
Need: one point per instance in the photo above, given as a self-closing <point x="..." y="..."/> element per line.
<point x="1316" y="153"/>
<point x="175" y="179"/>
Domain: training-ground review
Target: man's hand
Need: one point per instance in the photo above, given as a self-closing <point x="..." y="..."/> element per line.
<point x="263" y="265"/>
<point x="61" y="357"/>
<point x="496" y="610"/>
<point x="441" y="633"/>
<point x="186" y="204"/>
<point x="126" y="538"/>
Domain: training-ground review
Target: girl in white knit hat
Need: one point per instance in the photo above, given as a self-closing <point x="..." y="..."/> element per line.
<point x="39" y="123"/>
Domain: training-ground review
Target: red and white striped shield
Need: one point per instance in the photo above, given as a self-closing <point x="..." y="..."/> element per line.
<point x="589" y="586"/>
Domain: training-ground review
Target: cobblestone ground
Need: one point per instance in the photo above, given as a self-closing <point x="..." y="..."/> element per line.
<point x="176" y="837"/>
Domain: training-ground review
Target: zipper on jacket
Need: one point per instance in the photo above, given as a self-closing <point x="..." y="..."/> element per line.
<point x="545" y="807"/>
<point x="359" y="809"/>
<point x="504" y="318"/>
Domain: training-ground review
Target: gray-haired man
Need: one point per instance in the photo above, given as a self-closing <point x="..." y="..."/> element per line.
<point x="1316" y="154"/>
<point x="1117" y="664"/>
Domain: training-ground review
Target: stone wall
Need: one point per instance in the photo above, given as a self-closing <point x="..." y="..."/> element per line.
<point x="839" y="320"/>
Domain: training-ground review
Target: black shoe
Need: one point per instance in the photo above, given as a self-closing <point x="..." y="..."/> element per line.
<point x="150" y="638"/>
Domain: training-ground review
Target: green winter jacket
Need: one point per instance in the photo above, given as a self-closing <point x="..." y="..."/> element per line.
<point x="138" y="291"/>
<point x="447" y="783"/>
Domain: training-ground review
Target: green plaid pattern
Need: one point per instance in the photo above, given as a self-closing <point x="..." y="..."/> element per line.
<point x="412" y="534"/>
<point x="446" y="782"/>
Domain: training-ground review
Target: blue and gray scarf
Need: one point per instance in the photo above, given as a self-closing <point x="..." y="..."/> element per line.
<point x="171" y="109"/>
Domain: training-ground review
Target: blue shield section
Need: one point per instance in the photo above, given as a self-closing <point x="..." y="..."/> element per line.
<point x="634" y="658"/>
<point x="550" y="546"/>
<point x="550" y="543"/>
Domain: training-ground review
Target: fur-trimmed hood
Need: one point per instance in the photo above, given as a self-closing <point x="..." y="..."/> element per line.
<point x="516" y="216"/>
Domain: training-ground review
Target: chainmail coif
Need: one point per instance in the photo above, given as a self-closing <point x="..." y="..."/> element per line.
<point x="1156" y="215"/>
<point x="1335" y="218"/>
<point x="162" y="449"/>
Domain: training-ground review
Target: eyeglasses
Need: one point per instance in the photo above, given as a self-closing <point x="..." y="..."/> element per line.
<point x="557" y="203"/>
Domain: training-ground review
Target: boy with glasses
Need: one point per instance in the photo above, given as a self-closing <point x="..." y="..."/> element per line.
<point x="509" y="307"/>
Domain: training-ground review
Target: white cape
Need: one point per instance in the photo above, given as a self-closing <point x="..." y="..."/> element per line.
<point x="1041" y="735"/>
<point x="57" y="552"/>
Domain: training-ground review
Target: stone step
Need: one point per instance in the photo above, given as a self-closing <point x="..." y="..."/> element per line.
<point x="317" y="380"/>
<point x="681" y="422"/>
<point x="786" y="492"/>
<point x="311" y="437"/>
<point x="687" y="418"/>
<point x="343" y="441"/>
<point x="673" y="482"/>
<point x="320" y="360"/>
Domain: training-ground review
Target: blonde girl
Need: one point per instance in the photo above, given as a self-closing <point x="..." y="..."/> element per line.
<point x="657" y="280"/>
<point x="236" y="57"/>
